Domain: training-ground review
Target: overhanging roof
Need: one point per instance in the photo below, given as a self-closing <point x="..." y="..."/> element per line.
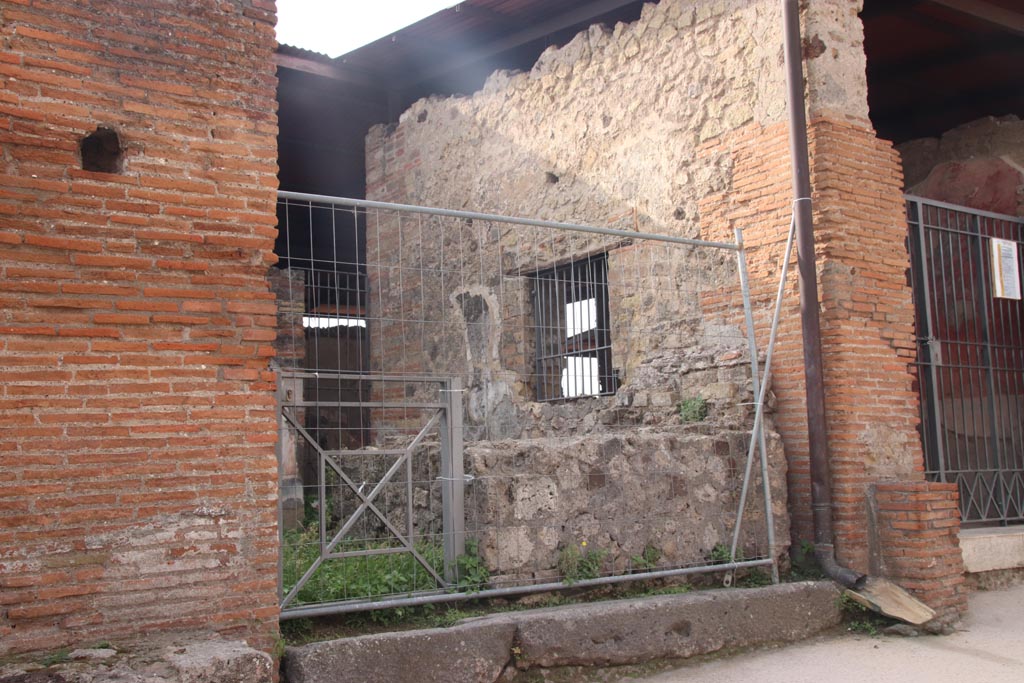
<point x="455" y="49"/>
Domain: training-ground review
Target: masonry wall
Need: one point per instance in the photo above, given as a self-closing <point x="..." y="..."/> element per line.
<point x="915" y="537"/>
<point x="680" y="118"/>
<point x="979" y="164"/>
<point x="638" y="99"/>
<point x="138" y="491"/>
<point x="867" y="321"/>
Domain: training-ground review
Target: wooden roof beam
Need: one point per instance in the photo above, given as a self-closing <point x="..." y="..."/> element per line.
<point x="330" y="71"/>
<point x="993" y="14"/>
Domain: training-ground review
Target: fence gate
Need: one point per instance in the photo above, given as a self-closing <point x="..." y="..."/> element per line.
<point x="354" y="534"/>
<point x="966" y="268"/>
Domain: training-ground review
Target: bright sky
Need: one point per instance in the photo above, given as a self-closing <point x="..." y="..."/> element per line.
<point x="335" y="27"/>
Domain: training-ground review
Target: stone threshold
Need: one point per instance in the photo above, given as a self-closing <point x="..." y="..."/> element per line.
<point x="988" y="549"/>
<point x="621" y="632"/>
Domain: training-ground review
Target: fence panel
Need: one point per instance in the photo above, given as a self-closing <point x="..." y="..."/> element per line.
<point x="593" y="396"/>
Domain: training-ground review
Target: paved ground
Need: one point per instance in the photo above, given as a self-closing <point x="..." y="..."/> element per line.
<point x="989" y="648"/>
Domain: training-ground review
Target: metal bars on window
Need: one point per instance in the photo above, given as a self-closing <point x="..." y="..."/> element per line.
<point x="970" y="355"/>
<point x="570" y="310"/>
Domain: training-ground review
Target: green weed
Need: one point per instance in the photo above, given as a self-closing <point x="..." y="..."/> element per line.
<point x="580" y="563"/>
<point x="720" y="554"/>
<point x="693" y="409"/>
<point x="58" y="657"/>
<point x="860" y="619"/>
<point x="472" y="570"/>
<point x="367" y="576"/>
<point x="753" y="578"/>
<point x="645" y="561"/>
<point x="375" y="575"/>
<point x="804" y="565"/>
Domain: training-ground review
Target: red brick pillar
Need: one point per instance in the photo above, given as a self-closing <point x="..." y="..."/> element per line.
<point x="867" y="327"/>
<point x="915" y="541"/>
<point x="137" y="425"/>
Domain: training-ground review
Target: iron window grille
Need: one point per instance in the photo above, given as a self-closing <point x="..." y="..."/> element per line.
<point x="574" y="353"/>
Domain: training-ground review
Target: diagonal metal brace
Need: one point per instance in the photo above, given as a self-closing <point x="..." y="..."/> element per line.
<point x="366" y="500"/>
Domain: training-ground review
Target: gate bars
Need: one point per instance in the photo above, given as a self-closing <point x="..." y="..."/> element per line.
<point x="377" y="395"/>
<point x="970" y="357"/>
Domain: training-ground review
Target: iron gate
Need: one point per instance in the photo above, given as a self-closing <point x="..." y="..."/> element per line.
<point x="970" y="351"/>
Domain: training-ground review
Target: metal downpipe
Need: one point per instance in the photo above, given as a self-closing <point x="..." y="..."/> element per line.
<point x="817" y="440"/>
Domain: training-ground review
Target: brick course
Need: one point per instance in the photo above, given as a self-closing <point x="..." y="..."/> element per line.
<point x="917" y="526"/>
<point x="867" y="340"/>
<point x="139" y="481"/>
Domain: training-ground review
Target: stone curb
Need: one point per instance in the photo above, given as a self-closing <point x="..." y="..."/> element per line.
<point x="466" y="653"/>
<point x="617" y="632"/>
<point x="196" y="660"/>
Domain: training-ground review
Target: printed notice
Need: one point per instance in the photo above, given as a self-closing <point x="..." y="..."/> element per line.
<point x="1005" y="269"/>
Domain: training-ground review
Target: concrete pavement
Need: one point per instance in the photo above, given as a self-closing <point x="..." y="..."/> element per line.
<point x="988" y="648"/>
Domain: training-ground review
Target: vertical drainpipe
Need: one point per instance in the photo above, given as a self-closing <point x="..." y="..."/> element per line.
<point x="817" y="440"/>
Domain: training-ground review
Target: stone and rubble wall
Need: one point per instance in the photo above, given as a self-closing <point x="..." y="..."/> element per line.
<point x="676" y="124"/>
<point x="669" y="491"/>
<point x="139" y="483"/>
<point x="603" y="131"/>
<point x="979" y="164"/>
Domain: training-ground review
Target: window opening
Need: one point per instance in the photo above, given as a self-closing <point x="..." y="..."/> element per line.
<point x="574" y="354"/>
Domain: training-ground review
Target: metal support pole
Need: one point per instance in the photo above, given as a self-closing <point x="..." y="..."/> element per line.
<point x="929" y="348"/>
<point x="496" y="218"/>
<point x="438" y="597"/>
<point x="278" y="451"/>
<point x="758" y="433"/>
<point x="452" y="480"/>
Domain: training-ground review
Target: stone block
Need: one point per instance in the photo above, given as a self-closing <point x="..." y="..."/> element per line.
<point x="992" y="549"/>
<point x="474" y="652"/>
<point x="629" y="632"/>
<point x="221" y="662"/>
<point x="482" y="649"/>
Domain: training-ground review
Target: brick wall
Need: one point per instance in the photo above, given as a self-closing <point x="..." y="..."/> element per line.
<point x="758" y="201"/>
<point x="289" y="288"/>
<point x="867" y="322"/>
<point x="138" y="487"/>
<point x="867" y="332"/>
<point x="916" y="540"/>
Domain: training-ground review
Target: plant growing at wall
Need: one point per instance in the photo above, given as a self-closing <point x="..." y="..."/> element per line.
<point x="58" y="657"/>
<point x="580" y="563"/>
<point x="645" y="561"/>
<point x="804" y="564"/>
<point x="693" y="409"/>
<point x="473" y="574"/>
<point x="355" y="577"/>
<point x="719" y="554"/>
<point x="753" y="578"/>
<point x="860" y="619"/>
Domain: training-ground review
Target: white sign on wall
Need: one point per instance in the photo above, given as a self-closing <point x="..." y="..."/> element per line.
<point x="1005" y="269"/>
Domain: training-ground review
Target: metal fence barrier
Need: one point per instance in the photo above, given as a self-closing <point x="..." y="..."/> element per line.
<point x="479" y="406"/>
